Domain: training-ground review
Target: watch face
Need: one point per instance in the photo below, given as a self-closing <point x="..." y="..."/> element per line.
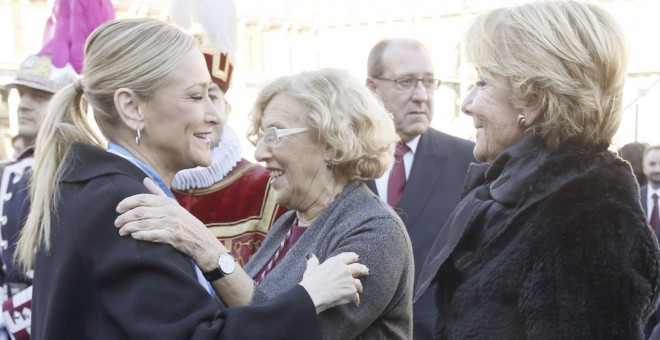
<point x="227" y="263"/>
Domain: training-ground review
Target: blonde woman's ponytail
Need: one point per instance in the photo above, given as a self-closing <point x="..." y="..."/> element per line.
<point x="130" y="53"/>
<point x="64" y="123"/>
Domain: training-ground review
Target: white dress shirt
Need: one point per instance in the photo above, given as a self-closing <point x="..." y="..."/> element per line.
<point x="408" y="158"/>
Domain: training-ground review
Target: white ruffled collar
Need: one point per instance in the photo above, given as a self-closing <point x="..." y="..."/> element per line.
<point x="225" y="157"/>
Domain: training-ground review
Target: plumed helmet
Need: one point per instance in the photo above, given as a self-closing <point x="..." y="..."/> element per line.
<point x="61" y="58"/>
<point x="215" y="22"/>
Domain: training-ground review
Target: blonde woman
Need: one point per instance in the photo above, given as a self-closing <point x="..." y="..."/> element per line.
<point x="147" y="84"/>
<point x="318" y="133"/>
<point x="549" y="241"/>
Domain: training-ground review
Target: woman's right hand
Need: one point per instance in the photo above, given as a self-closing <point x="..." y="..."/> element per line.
<point x="335" y="282"/>
<point x="157" y="218"/>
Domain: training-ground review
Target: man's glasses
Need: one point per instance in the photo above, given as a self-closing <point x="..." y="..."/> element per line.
<point x="409" y="83"/>
<point x="272" y="136"/>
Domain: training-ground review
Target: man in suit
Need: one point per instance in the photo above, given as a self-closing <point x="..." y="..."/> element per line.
<point x="651" y="168"/>
<point x="400" y="72"/>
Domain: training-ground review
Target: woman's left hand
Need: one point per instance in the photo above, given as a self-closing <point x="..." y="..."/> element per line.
<point x="158" y="218"/>
<point x="335" y="282"/>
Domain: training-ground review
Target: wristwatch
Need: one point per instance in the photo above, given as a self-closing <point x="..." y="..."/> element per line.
<point x="226" y="266"/>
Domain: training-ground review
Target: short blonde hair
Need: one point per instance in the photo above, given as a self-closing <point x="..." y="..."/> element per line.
<point x="345" y="114"/>
<point x="131" y="53"/>
<point x="566" y="56"/>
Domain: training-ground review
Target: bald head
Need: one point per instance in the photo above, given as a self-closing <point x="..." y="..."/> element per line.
<point x="376" y="59"/>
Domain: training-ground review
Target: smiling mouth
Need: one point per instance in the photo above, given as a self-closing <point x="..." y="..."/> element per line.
<point x="204" y="136"/>
<point x="275" y="174"/>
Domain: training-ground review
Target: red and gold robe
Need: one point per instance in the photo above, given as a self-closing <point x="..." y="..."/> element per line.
<point x="232" y="196"/>
<point x="239" y="209"/>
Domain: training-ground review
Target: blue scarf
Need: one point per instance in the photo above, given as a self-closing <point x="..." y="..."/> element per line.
<point x="120" y="151"/>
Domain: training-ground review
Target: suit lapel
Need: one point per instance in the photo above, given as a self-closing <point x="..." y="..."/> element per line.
<point x="643" y="192"/>
<point x="426" y="171"/>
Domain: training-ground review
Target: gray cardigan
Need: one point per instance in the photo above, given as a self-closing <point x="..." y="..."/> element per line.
<point x="357" y="221"/>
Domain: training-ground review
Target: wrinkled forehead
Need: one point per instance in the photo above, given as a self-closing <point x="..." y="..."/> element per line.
<point x="284" y="110"/>
<point x="400" y="60"/>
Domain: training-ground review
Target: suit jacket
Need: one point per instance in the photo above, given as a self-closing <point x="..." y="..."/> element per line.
<point x="655" y="317"/>
<point x="94" y="284"/>
<point x="643" y="192"/>
<point x="432" y="192"/>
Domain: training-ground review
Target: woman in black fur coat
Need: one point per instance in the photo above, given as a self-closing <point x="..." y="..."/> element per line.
<point x="549" y="241"/>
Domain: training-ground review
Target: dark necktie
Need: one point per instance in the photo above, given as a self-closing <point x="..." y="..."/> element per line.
<point x="655" y="214"/>
<point x="397" y="180"/>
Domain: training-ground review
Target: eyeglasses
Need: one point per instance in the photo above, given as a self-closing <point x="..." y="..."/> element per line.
<point x="272" y="136"/>
<point x="409" y="83"/>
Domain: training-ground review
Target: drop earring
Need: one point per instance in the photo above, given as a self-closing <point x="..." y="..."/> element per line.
<point x="137" y="137"/>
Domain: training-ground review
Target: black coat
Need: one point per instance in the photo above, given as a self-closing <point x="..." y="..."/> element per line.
<point x="94" y="284"/>
<point x="575" y="260"/>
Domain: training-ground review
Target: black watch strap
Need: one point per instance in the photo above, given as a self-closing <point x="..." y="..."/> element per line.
<point x="215" y="274"/>
<point x="226" y="265"/>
